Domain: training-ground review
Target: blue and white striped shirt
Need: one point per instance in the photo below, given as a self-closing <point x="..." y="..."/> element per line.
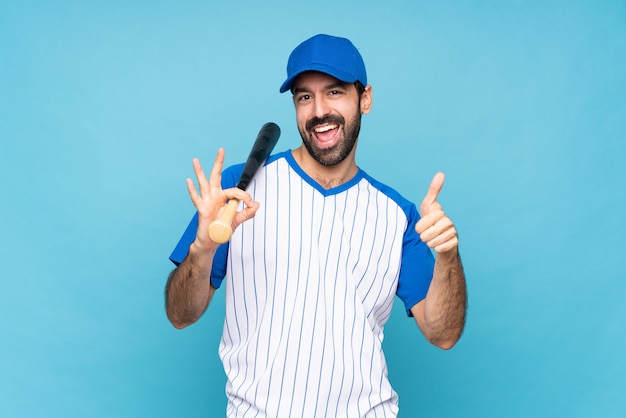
<point x="310" y="284"/>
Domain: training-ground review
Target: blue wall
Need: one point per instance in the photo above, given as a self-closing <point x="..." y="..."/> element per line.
<point x="103" y="105"/>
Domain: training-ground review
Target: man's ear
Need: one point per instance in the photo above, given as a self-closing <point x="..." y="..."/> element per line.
<point x="366" y="99"/>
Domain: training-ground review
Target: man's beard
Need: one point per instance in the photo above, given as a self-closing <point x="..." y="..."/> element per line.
<point x="337" y="153"/>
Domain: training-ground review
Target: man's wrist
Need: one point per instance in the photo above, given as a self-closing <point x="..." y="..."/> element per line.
<point x="448" y="256"/>
<point x="204" y="247"/>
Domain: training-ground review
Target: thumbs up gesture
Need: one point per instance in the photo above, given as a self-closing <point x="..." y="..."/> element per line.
<point x="435" y="228"/>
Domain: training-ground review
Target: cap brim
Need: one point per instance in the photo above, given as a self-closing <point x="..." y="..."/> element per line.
<point x="321" y="68"/>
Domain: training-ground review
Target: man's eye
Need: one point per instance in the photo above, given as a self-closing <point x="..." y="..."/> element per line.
<point x="304" y="97"/>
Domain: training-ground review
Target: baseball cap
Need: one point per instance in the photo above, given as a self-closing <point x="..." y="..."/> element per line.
<point x="332" y="55"/>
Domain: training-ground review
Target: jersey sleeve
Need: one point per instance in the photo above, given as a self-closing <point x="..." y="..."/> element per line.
<point x="218" y="270"/>
<point x="418" y="263"/>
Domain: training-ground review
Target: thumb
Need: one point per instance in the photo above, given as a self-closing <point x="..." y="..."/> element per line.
<point x="433" y="191"/>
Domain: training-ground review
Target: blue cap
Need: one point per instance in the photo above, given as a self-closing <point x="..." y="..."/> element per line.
<point x="327" y="54"/>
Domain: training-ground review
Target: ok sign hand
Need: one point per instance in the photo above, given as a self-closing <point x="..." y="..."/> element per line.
<point x="210" y="199"/>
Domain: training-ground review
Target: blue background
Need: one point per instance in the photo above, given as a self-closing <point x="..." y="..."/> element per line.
<point x="104" y="104"/>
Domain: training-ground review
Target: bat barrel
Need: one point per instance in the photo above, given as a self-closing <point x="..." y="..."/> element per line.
<point x="263" y="146"/>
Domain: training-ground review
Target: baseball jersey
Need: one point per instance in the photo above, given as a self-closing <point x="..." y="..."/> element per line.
<point x="310" y="283"/>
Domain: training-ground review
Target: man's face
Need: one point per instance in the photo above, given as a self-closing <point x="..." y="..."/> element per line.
<point x="328" y="113"/>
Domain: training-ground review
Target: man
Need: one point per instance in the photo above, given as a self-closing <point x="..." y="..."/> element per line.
<point x="318" y="252"/>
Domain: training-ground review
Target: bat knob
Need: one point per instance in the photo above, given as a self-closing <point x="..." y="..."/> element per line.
<point x="221" y="229"/>
<point x="219" y="232"/>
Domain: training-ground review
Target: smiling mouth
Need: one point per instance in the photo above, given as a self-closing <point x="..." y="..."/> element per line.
<point x="326" y="135"/>
<point x="325" y="128"/>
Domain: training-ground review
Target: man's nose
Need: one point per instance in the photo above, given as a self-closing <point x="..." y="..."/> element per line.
<point x="321" y="107"/>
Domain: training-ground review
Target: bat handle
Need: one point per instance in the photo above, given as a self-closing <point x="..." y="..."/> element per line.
<point x="221" y="229"/>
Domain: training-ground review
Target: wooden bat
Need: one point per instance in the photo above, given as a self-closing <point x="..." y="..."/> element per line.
<point x="221" y="229"/>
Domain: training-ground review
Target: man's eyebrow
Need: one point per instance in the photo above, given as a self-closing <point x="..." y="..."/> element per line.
<point x="331" y="86"/>
<point x="338" y="84"/>
<point x="299" y="90"/>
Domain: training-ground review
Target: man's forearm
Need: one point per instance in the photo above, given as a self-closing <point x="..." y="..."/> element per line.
<point x="189" y="290"/>
<point x="445" y="305"/>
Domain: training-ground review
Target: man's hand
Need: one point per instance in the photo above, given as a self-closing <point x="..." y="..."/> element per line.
<point x="211" y="200"/>
<point x="441" y="315"/>
<point x="435" y="228"/>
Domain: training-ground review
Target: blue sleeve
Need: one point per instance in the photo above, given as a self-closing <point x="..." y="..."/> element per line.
<point x="218" y="271"/>
<point x="182" y="248"/>
<point x="418" y="263"/>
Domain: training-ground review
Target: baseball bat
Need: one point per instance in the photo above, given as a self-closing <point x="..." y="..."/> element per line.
<point x="221" y="229"/>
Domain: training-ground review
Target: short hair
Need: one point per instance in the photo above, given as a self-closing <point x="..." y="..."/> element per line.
<point x="360" y="88"/>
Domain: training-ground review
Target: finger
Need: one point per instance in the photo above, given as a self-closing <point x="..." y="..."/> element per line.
<point x="237" y="193"/>
<point x="193" y="194"/>
<point x="429" y="218"/>
<point x="202" y="181"/>
<point x="447" y="246"/>
<point x="441" y="237"/>
<point x="246" y="213"/>
<point x="215" y="179"/>
<point x="436" y="229"/>
<point x="433" y="190"/>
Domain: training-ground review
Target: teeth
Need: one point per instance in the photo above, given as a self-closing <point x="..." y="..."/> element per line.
<point x="325" y="128"/>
